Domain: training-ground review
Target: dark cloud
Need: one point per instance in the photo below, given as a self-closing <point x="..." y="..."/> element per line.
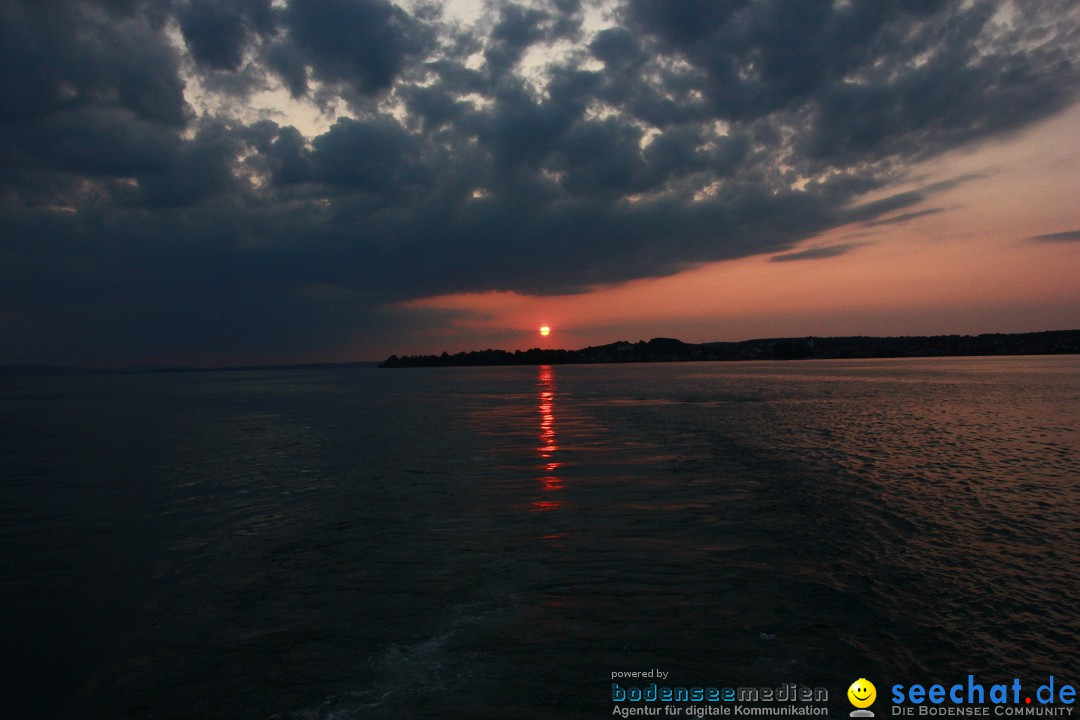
<point x="203" y="168"/>
<point x="904" y="218"/>
<point x="876" y="208"/>
<point x="867" y="80"/>
<point x="218" y="31"/>
<point x="288" y="62"/>
<point x="1067" y="236"/>
<point x="867" y="211"/>
<point x="689" y="132"/>
<point x="518" y="27"/>
<point x="367" y="156"/>
<point x="360" y="45"/>
<point x="818" y="253"/>
<point x="58" y="56"/>
<point x="96" y="141"/>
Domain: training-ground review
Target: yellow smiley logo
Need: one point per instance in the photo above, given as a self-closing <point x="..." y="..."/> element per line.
<point x="862" y="693"/>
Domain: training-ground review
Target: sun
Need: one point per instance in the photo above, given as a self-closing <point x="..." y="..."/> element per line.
<point x="545" y="330"/>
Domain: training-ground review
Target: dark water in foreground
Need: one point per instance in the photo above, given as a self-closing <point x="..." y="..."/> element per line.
<point x="494" y="543"/>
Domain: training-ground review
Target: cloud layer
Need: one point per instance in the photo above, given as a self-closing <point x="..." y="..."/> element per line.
<point x="463" y="157"/>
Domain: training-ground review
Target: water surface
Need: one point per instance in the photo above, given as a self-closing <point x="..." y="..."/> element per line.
<point x="494" y="542"/>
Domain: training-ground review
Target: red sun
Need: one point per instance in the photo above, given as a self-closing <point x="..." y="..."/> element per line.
<point x="545" y="330"/>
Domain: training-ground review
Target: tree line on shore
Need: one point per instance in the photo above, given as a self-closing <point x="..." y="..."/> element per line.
<point x="672" y="350"/>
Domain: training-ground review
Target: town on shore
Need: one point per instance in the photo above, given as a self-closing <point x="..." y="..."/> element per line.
<point x="1055" y="342"/>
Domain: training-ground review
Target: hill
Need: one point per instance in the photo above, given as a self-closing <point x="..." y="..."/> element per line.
<point x="1055" y="342"/>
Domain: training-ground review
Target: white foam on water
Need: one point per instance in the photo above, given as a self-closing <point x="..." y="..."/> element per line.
<point x="407" y="673"/>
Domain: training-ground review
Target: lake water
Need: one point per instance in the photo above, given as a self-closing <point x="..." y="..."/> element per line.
<point x="496" y="542"/>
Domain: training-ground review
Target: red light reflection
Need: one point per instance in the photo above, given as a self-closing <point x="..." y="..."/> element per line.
<point x="546" y="383"/>
<point x="548" y="446"/>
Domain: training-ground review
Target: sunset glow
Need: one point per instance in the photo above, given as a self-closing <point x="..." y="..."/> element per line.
<point x="287" y="429"/>
<point x="700" y="171"/>
<point x="964" y="262"/>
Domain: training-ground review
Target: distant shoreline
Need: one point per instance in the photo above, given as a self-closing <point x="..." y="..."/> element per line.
<point x="1052" y="342"/>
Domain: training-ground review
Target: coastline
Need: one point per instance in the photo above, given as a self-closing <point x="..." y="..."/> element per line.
<point x="1053" y="342"/>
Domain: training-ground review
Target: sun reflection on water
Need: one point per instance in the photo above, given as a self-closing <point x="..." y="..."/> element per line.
<point x="549" y="481"/>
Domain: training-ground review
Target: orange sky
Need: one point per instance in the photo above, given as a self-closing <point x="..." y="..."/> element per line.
<point x="967" y="269"/>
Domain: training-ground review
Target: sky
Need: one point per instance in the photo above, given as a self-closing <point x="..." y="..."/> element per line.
<point x="214" y="182"/>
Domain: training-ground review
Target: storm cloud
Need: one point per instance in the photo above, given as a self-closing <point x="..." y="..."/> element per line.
<point x="463" y="157"/>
